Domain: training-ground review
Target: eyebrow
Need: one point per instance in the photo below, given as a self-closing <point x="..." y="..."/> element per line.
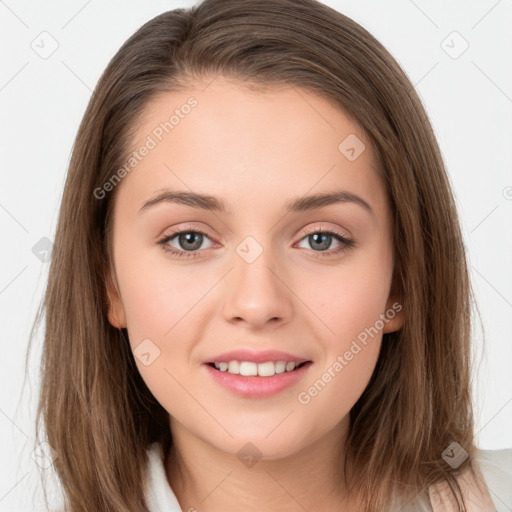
<point x="212" y="203"/>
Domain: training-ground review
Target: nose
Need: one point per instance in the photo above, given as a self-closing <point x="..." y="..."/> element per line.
<point x="256" y="293"/>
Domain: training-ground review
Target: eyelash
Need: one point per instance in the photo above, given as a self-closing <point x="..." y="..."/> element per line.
<point x="346" y="242"/>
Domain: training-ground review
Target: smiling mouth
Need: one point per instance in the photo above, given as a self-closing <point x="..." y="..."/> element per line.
<point x="255" y="385"/>
<point x="287" y="371"/>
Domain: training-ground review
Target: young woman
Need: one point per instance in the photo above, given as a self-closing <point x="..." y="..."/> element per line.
<point x="258" y="297"/>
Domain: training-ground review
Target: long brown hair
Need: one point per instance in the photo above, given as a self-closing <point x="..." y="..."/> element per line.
<point x="98" y="414"/>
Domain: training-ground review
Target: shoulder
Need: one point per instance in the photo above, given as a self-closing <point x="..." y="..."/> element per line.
<point x="496" y="468"/>
<point x="498" y="460"/>
<point x="159" y="493"/>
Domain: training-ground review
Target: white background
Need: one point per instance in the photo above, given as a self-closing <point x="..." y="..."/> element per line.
<point x="469" y="100"/>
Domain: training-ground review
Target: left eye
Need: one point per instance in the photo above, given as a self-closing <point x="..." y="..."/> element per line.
<point x="322" y="240"/>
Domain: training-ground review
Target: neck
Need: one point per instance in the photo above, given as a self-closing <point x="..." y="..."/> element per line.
<point x="207" y="479"/>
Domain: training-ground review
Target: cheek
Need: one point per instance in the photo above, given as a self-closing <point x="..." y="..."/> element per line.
<point x="351" y="334"/>
<point x="162" y="313"/>
<point x="148" y="303"/>
<point x="349" y="305"/>
<point x="156" y="295"/>
<point x="350" y="297"/>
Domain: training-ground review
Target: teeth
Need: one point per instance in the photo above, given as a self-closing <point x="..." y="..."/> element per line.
<point x="248" y="368"/>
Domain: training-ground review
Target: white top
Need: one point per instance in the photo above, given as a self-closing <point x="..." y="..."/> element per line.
<point x="495" y="465"/>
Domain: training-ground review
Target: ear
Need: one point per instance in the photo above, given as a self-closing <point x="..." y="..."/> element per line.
<point x="395" y="310"/>
<point x="116" y="313"/>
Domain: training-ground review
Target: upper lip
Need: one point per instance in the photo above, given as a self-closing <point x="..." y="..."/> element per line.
<point x="256" y="357"/>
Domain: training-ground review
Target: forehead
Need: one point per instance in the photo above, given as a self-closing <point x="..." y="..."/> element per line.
<point x="225" y="139"/>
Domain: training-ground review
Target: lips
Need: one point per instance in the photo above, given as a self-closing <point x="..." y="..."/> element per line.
<point x="256" y="357"/>
<point x="256" y="387"/>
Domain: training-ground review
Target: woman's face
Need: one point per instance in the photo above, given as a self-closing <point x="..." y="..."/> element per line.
<point x="262" y="277"/>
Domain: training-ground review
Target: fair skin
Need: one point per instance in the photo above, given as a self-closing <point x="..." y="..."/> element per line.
<point x="256" y="151"/>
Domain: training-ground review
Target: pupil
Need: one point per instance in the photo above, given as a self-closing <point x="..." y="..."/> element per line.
<point x="188" y="238"/>
<point x="321" y="238"/>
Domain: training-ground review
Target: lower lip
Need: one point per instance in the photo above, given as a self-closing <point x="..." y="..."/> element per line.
<point x="257" y="387"/>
